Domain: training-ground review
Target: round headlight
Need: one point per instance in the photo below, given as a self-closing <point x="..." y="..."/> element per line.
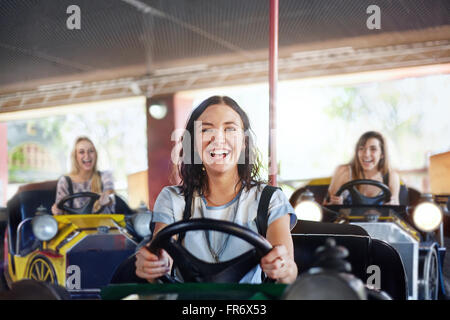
<point x="427" y="216"/>
<point x="44" y="227"/>
<point x="141" y="224"/>
<point x="308" y="210"/>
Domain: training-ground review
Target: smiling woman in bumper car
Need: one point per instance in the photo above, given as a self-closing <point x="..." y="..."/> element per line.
<point x="219" y="168"/>
<point x="371" y="162"/>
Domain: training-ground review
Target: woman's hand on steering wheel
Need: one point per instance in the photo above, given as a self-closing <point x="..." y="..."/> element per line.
<point x="150" y="266"/>
<point x="277" y="264"/>
<point x="333" y="199"/>
<point x="105" y="199"/>
<point x="55" y="210"/>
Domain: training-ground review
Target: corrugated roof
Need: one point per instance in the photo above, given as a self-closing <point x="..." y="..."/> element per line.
<point x="142" y="38"/>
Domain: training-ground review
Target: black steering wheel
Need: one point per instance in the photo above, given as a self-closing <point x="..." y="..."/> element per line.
<point x="193" y="269"/>
<point x="86" y="209"/>
<point x="358" y="198"/>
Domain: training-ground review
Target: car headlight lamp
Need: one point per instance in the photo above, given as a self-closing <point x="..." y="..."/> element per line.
<point x="307" y="208"/>
<point x="45" y="227"/>
<point x="427" y="215"/>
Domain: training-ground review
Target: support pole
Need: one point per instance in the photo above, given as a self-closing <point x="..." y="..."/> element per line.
<point x="273" y="79"/>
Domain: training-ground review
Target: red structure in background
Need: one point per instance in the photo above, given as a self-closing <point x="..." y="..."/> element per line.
<point x="161" y="136"/>
<point x="3" y="164"/>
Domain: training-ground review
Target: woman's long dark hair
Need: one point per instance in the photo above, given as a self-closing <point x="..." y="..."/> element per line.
<point x="190" y="168"/>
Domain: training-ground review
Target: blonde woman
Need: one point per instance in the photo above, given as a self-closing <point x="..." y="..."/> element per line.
<point x="83" y="177"/>
<point x="370" y="161"/>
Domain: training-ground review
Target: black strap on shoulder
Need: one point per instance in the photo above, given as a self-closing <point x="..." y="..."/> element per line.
<point x="70" y="187"/>
<point x="69" y="184"/>
<point x="186" y="214"/>
<point x="263" y="217"/>
<point x="263" y="209"/>
<point x="187" y="207"/>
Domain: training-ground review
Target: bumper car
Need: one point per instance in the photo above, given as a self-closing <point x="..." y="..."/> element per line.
<point x="324" y="263"/>
<point x="78" y="251"/>
<point x="414" y="229"/>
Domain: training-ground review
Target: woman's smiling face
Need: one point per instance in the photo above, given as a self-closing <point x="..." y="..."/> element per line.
<point x="86" y="155"/>
<point x="370" y="154"/>
<point x="219" y="138"/>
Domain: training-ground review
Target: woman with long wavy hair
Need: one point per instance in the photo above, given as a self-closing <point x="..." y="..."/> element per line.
<point x="84" y="176"/>
<point x="219" y="170"/>
<point x="370" y="161"/>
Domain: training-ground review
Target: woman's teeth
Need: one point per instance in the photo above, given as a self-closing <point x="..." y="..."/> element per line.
<point x="219" y="153"/>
